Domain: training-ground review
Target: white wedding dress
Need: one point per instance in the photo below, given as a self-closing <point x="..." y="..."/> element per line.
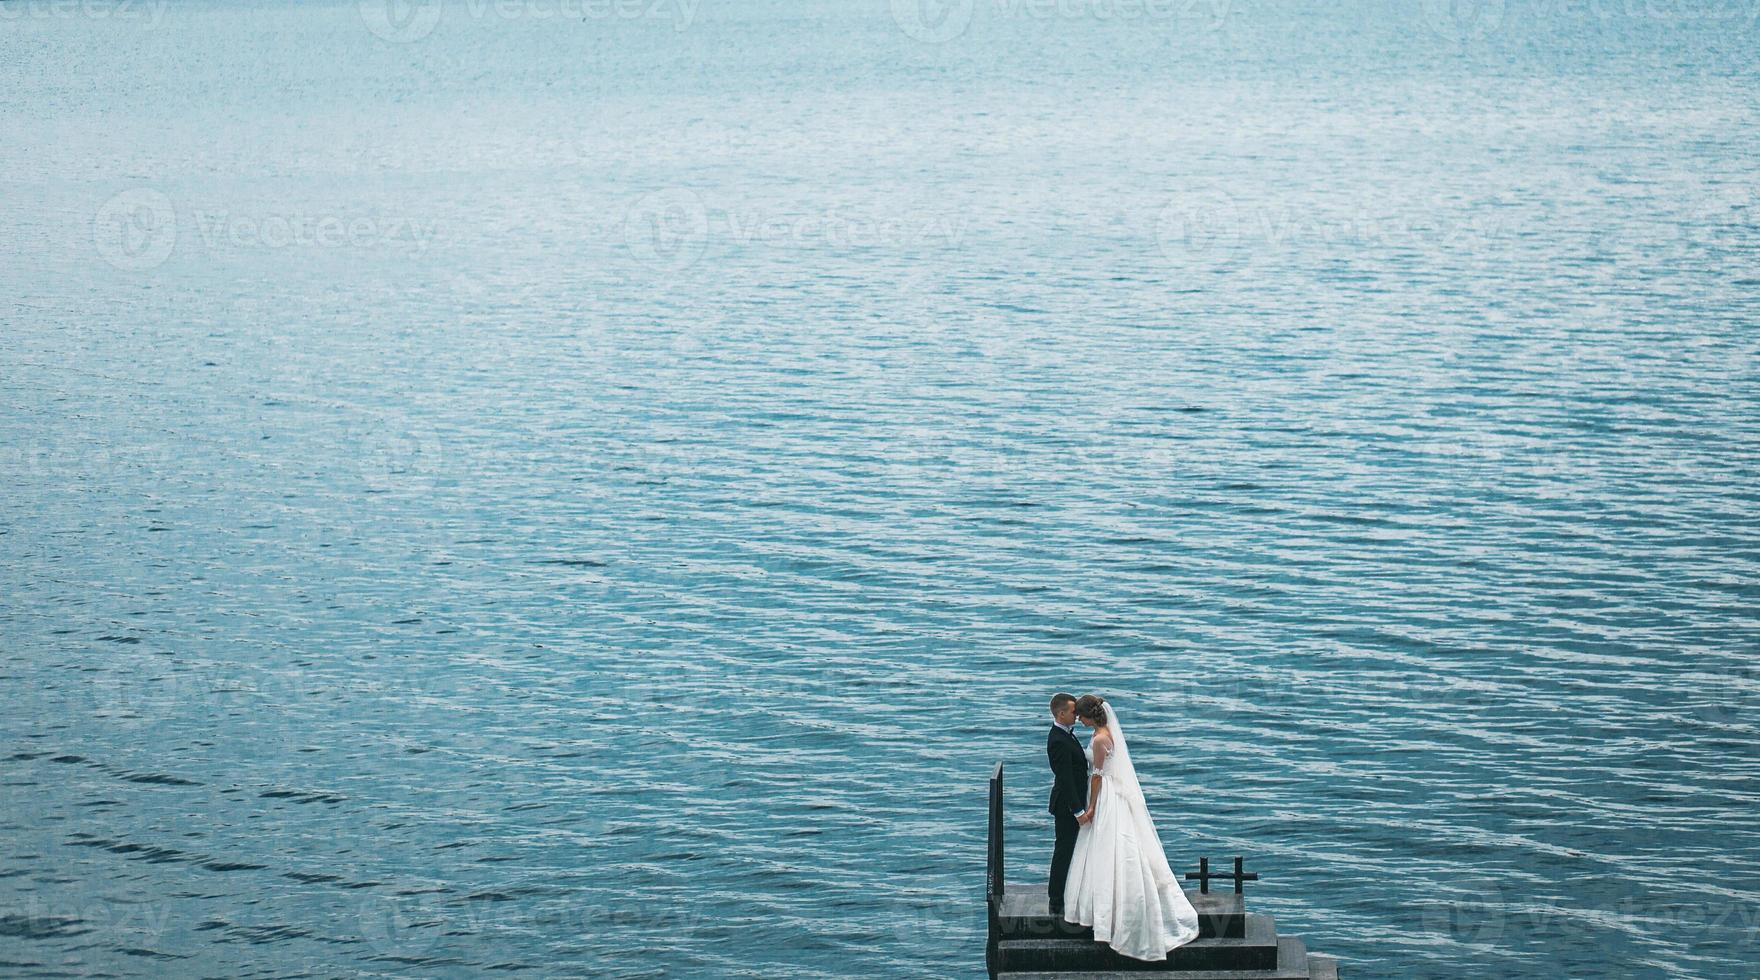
<point x="1119" y="881"/>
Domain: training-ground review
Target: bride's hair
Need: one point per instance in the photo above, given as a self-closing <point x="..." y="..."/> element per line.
<point x="1091" y="706"/>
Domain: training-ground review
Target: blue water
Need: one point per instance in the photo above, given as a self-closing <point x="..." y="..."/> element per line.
<point x="490" y="492"/>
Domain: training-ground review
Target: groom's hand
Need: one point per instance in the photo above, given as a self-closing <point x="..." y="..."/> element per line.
<point x="1083" y="818"/>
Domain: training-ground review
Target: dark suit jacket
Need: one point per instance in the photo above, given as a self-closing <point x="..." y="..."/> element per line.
<point x="1069" y="772"/>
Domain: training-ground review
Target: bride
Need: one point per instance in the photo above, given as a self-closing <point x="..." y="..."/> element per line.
<point x="1119" y="881"/>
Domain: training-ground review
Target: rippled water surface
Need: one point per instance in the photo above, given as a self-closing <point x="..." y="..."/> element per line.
<point x="497" y="492"/>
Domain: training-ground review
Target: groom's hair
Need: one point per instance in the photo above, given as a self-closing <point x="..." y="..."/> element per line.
<point x="1060" y="699"/>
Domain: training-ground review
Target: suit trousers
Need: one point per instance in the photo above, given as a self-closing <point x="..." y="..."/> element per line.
<point x="1067" y="828"/>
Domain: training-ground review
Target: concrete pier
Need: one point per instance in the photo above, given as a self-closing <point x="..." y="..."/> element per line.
<point x="1027" y="943"/>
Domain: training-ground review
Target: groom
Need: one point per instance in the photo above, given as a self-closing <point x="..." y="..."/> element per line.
<point x="1069" y="789"/>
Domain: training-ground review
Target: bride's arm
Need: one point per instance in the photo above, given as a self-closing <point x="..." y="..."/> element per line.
<point x="1102" y="748"/>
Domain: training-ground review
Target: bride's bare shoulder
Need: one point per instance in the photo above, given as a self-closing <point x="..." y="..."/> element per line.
<point x="1103" y="739"/>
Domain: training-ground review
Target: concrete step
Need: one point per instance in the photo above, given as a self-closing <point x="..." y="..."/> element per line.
<point x="1258" y="950"/>
<point x="1293" y="963"/>
<point x="1322" y="967"/>
<point x="1026" y="913"/>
